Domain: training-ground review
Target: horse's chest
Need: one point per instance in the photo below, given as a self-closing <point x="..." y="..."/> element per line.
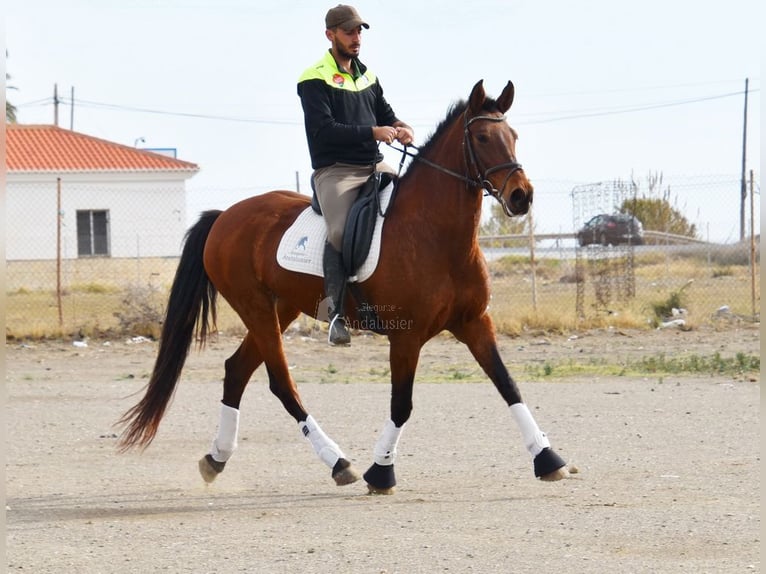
<point x="470" y="285"/>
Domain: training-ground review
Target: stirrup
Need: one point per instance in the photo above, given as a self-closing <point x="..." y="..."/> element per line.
<point x="337" y="333"/>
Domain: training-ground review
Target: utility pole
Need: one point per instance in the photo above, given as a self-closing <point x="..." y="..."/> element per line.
<point x="55" y="105"/>
<point x="71" y="111"/>
<point x="743" y="185"/>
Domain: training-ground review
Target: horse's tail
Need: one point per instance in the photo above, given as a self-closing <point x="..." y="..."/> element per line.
<point x="192" y="304"/>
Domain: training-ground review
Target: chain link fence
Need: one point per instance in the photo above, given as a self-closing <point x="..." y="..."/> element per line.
<point x="77" y="265"/>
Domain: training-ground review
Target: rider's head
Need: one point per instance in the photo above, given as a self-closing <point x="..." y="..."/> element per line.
<point x="344" y="30"/>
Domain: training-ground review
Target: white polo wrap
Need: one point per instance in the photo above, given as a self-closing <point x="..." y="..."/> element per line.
<point x="225" y="443"/>
<point x="385" y="449"/>
<point x="534" y="439"/>
<point x="327" y="450"/>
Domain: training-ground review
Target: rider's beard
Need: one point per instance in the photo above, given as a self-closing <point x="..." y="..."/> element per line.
<point x="347" y="52"/>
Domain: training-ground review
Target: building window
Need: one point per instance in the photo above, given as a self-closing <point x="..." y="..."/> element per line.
<point x="92" y="233"/>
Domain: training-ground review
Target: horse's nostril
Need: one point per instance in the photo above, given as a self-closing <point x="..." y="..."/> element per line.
<point x="519" y="199"/>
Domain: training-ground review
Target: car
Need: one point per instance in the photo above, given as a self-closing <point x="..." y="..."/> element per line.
<point x="615" y="229"/>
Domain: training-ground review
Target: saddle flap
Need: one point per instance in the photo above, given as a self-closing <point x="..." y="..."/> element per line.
<point x="360" y="224"/>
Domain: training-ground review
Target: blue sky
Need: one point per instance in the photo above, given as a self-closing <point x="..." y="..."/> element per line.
<point x="605" y="90"/>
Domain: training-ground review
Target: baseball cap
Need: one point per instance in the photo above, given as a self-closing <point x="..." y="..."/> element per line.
<point x="344" y="16"/>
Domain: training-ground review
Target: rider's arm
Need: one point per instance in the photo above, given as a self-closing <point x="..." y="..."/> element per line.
<point x="321" y="124"/>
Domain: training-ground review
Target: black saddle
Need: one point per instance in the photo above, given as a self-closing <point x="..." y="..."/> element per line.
<point x="360" y="225"/>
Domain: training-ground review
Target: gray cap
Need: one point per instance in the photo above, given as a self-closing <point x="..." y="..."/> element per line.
<point x="344" y="16"/>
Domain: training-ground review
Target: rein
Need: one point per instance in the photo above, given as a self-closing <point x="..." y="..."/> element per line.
<point x="480" y="180"/>
<point x="429" y="163"/>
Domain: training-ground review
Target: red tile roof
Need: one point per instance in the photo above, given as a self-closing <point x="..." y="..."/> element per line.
<point x="46" y="148"/>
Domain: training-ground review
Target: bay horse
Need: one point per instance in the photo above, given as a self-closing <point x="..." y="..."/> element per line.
<point x="431" y="276"/>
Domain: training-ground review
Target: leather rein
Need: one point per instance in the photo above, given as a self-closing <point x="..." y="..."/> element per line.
<point x="480" y="179"/>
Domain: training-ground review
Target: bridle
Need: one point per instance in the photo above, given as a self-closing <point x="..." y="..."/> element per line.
<point x="483" y="178"/>
<point x="479" y="179"/>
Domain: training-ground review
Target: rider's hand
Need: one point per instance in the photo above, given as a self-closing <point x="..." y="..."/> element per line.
<point x="404" y="135"/>
<point x="385" y="134"/>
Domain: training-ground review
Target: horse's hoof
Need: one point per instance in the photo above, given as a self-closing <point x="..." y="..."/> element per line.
<point x="343" y="473"/>
<point x="558" y="474"/>
<point x="380" y="479"/>
<point x="548" y="465"/>
<point x="374" y="491"/>
<point x="210" y="468"/>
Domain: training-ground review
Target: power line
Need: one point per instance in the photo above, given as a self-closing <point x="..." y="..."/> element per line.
<point x="624" y="107"/>
<point x="118" y="107"/>
<point x="563" y="115"/>
<point x="635" y="89"/>
<point x="557" y="117"/>
<point x="123" y="108"/>
<point x="632" y="109"/>
<point x="40" y="102"/>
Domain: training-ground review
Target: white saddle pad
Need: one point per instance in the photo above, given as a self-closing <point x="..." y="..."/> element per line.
<point x="302" y="246"/>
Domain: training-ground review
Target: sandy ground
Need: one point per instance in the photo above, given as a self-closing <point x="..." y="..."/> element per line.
<point x="668" y="467"/>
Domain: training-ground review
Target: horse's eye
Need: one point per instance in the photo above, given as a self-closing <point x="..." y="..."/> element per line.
<point x="483" y="138"/>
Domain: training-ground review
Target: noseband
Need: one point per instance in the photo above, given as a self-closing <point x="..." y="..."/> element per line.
<point x="480" y="179"/>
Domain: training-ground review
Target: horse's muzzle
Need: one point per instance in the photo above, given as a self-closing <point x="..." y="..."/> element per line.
<point x="520" y="200"/>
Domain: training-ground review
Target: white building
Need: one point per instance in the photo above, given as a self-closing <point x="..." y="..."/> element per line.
<point x="73" y="196"/>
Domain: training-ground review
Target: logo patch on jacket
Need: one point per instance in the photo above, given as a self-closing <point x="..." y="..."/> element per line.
<point x="338" y="79"/>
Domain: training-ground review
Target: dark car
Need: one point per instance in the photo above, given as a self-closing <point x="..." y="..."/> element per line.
<point x="614" y="229"/>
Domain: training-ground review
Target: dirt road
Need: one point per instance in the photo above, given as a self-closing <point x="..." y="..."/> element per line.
<point x="668" y="467"/>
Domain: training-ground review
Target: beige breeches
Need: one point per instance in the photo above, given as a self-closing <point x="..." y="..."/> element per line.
<point x="337" y="186"/>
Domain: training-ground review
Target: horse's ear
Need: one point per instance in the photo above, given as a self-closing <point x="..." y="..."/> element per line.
<point x="476" y="100"/>
<point x="506" y="98"/>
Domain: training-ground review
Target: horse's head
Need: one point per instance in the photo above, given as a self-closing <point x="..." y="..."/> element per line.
<point x="491" y="150"/>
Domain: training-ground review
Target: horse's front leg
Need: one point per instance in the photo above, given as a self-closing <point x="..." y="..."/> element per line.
<point x="403" y="358"/>
<point x="479" y="336"/>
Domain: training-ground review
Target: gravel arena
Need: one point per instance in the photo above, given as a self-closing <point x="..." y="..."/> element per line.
<point x="664" y="469"/>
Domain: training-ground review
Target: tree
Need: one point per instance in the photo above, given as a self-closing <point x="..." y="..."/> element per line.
<point x="10" y="109"/>
<point x="657" y="213"/>
<point x="499" y="223"/>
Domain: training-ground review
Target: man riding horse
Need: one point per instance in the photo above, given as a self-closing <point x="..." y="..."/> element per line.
<point x="345" y="116"/>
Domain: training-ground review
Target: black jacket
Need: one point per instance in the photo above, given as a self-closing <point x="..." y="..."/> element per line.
<point x="340" y="112"/>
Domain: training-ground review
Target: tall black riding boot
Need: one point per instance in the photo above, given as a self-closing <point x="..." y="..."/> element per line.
<point x="334" y="285"/>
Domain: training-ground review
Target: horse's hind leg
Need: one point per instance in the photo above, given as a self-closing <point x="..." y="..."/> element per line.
<point x="479" y="336"/>
<point x="284" y="388"/>
<point x="238" y="370"/>
<point x="266" y="321"/>
<point x="328" y="451"/>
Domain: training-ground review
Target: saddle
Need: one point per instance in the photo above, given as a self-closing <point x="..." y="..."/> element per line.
<point x="360" y="224"/>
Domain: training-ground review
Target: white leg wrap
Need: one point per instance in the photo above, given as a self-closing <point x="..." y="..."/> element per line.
<point x="327" y="450"/>
<point x="225" y="443"/>
<point x="385" y="449"/>
<point x="534" y="439"/>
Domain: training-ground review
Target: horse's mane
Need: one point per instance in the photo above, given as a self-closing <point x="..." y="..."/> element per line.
<point x="490" y="105"/>
<point x="455" y="110"/>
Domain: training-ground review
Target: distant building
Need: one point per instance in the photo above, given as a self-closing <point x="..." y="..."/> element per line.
<point x="113" y="200"/>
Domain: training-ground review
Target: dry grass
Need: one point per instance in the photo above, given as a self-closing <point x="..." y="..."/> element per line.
<point x="128" y="297"/>
<point x="700" y="281"/>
